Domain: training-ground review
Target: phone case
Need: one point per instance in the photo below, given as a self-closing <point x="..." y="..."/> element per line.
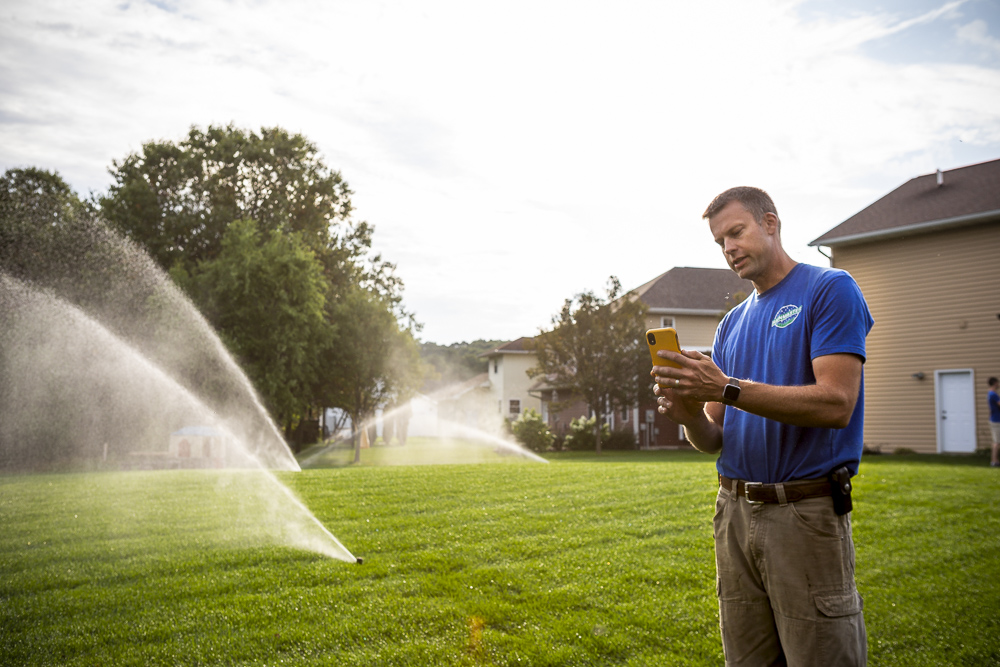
<point x="662" y="339"/>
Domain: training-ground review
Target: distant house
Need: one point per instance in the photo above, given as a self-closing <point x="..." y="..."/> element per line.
<point x="927" y="258"/>
<point x="198" y="447"/>
<point x="691" y="300"/>
<point x="508" y="379"/>
<point x="189" y="447"/>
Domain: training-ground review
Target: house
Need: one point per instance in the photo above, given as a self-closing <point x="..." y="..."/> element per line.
<point x="198" y="447"/>
<point x="508" y="379"/>
<point x="927" y="258"/>
<point x="691" y="300"/>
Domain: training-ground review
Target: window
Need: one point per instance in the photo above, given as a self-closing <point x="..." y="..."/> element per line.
<point x="624" y="416"/>
<point x="515" y="406"/>
<point x="494" y="365"/>
<point x="667" y="321"/>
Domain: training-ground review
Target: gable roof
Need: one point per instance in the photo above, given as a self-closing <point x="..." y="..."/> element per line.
<point x="690" y="290"/>
<point x="966" y="195"/>
<point x="520" y="346"/>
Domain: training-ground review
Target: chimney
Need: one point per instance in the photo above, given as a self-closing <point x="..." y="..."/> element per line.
<point x="940" y="177"/>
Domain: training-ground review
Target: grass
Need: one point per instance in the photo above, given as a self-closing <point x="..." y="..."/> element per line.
<point x="586" y="561"/>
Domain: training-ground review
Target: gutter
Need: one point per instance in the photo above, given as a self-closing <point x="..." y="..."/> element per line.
<point x="920" y="227"/>
<point x="684" y="311"/>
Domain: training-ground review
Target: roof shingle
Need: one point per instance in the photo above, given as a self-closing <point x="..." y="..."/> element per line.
<point x="964" y="192"/>
<point x="690" y="288"/>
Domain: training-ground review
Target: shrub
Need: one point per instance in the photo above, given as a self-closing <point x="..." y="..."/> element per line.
<point x="532" y="431"/>
<point x="581" y="435"/>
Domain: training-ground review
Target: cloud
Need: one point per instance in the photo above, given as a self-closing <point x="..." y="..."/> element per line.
<point x="976" y="33"/>
<point x="516" y="154"/>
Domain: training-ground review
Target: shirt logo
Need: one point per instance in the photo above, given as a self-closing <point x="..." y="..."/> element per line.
<point x="786" y="316"/>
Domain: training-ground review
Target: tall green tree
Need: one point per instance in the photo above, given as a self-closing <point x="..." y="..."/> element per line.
<point x="370" y="361"/>
<point x="177" y="199"/>
<point x="595" y="351"/>
<point x="265" y="294"/>
<point x="191" y="203"/>
<point x="36" y="207"/>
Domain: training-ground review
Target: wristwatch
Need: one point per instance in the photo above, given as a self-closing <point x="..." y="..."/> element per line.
<point x="731" y="391"/>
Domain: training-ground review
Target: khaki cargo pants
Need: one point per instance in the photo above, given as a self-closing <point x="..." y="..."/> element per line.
<point x="785" y="581"/>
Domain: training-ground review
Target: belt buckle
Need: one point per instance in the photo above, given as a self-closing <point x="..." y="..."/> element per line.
<point x="746" y="491"/>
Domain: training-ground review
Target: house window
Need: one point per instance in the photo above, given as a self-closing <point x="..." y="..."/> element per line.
<point x="624" y="416"/>
<point x="494" y="366"/>
<point x="515" y="406"/>
<point x="666" y="321"/>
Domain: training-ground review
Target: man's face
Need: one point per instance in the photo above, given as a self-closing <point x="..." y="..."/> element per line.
<point x="746" y="243"/>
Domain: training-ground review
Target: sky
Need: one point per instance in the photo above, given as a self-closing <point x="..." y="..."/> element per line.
<point x="512" y="155"/>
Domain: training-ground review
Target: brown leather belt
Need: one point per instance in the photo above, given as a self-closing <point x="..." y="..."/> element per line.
<point x="757" y="493"/>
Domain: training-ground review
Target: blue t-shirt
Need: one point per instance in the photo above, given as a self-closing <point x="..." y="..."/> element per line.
<point x="994" y="401"/>
<point x="773" y="338"/>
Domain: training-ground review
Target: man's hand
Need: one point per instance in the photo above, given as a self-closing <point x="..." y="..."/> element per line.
<point x="697" y="380"/>
<point x="685" y="395"/>
<point x="679" y="409"/>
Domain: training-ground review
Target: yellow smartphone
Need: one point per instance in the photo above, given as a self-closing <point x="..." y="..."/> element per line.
<point x="662" y="339"/>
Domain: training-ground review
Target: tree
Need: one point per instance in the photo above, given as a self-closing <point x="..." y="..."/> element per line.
<point x="369" y="361"/>
<point x="180" y="201"/>
<point x="265" y="295"/>
<point x="595" y="351"/>
<point x="177" y="200"/>
<point x="36" y="209"/>
<point x="448" y="364"/>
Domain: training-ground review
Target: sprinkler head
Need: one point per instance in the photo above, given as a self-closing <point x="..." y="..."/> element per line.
<point x="360" y="560"/>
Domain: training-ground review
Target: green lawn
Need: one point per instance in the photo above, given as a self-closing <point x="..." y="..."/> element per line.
<point x="585" y="561"/>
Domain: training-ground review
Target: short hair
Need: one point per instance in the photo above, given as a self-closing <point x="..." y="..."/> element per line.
<point x="754" y="200"/>
<point x="992" y="381"/>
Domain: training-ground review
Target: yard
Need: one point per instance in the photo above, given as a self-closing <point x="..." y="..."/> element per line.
<point x="585" y="561"/>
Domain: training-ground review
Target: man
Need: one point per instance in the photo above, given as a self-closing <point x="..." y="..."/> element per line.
<point x="993" y="400"/>
<point x="782" y="400"/>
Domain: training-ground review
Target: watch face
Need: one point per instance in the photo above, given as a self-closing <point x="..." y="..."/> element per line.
<point x="731" y="392"/>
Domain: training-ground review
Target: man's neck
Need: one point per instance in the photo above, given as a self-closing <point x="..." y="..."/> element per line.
<point x="781" y="267"/>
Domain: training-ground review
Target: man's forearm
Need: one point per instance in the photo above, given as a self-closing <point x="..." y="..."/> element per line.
<point x="808" y="405"/>
<point x="704" y="434"/>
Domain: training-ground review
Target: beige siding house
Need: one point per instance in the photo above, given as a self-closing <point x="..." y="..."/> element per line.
<point x="927" y="258"/>
<point x="692" y="301"/>
<point x="508" y="379"/>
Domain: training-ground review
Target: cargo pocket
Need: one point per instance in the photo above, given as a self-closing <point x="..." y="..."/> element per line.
<point x="839" y="604"/>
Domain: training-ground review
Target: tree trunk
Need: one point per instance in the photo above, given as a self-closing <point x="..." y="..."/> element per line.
<point x="356" y="438"/>
<point x="598" y="424"/>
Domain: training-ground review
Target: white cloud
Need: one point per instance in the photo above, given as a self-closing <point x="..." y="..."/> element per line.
<point x="511" y="155"/>
<point x="976" y="33"/>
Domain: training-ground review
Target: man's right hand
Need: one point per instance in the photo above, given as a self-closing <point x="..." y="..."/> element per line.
<point x="684" y="411"/>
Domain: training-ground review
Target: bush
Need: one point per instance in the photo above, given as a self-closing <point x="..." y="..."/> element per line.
<point x="532" y="431"/>
<point x="581" y="435"/>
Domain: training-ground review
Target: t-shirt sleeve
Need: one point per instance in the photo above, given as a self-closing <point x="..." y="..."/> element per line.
<point x="840" y="320"/>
